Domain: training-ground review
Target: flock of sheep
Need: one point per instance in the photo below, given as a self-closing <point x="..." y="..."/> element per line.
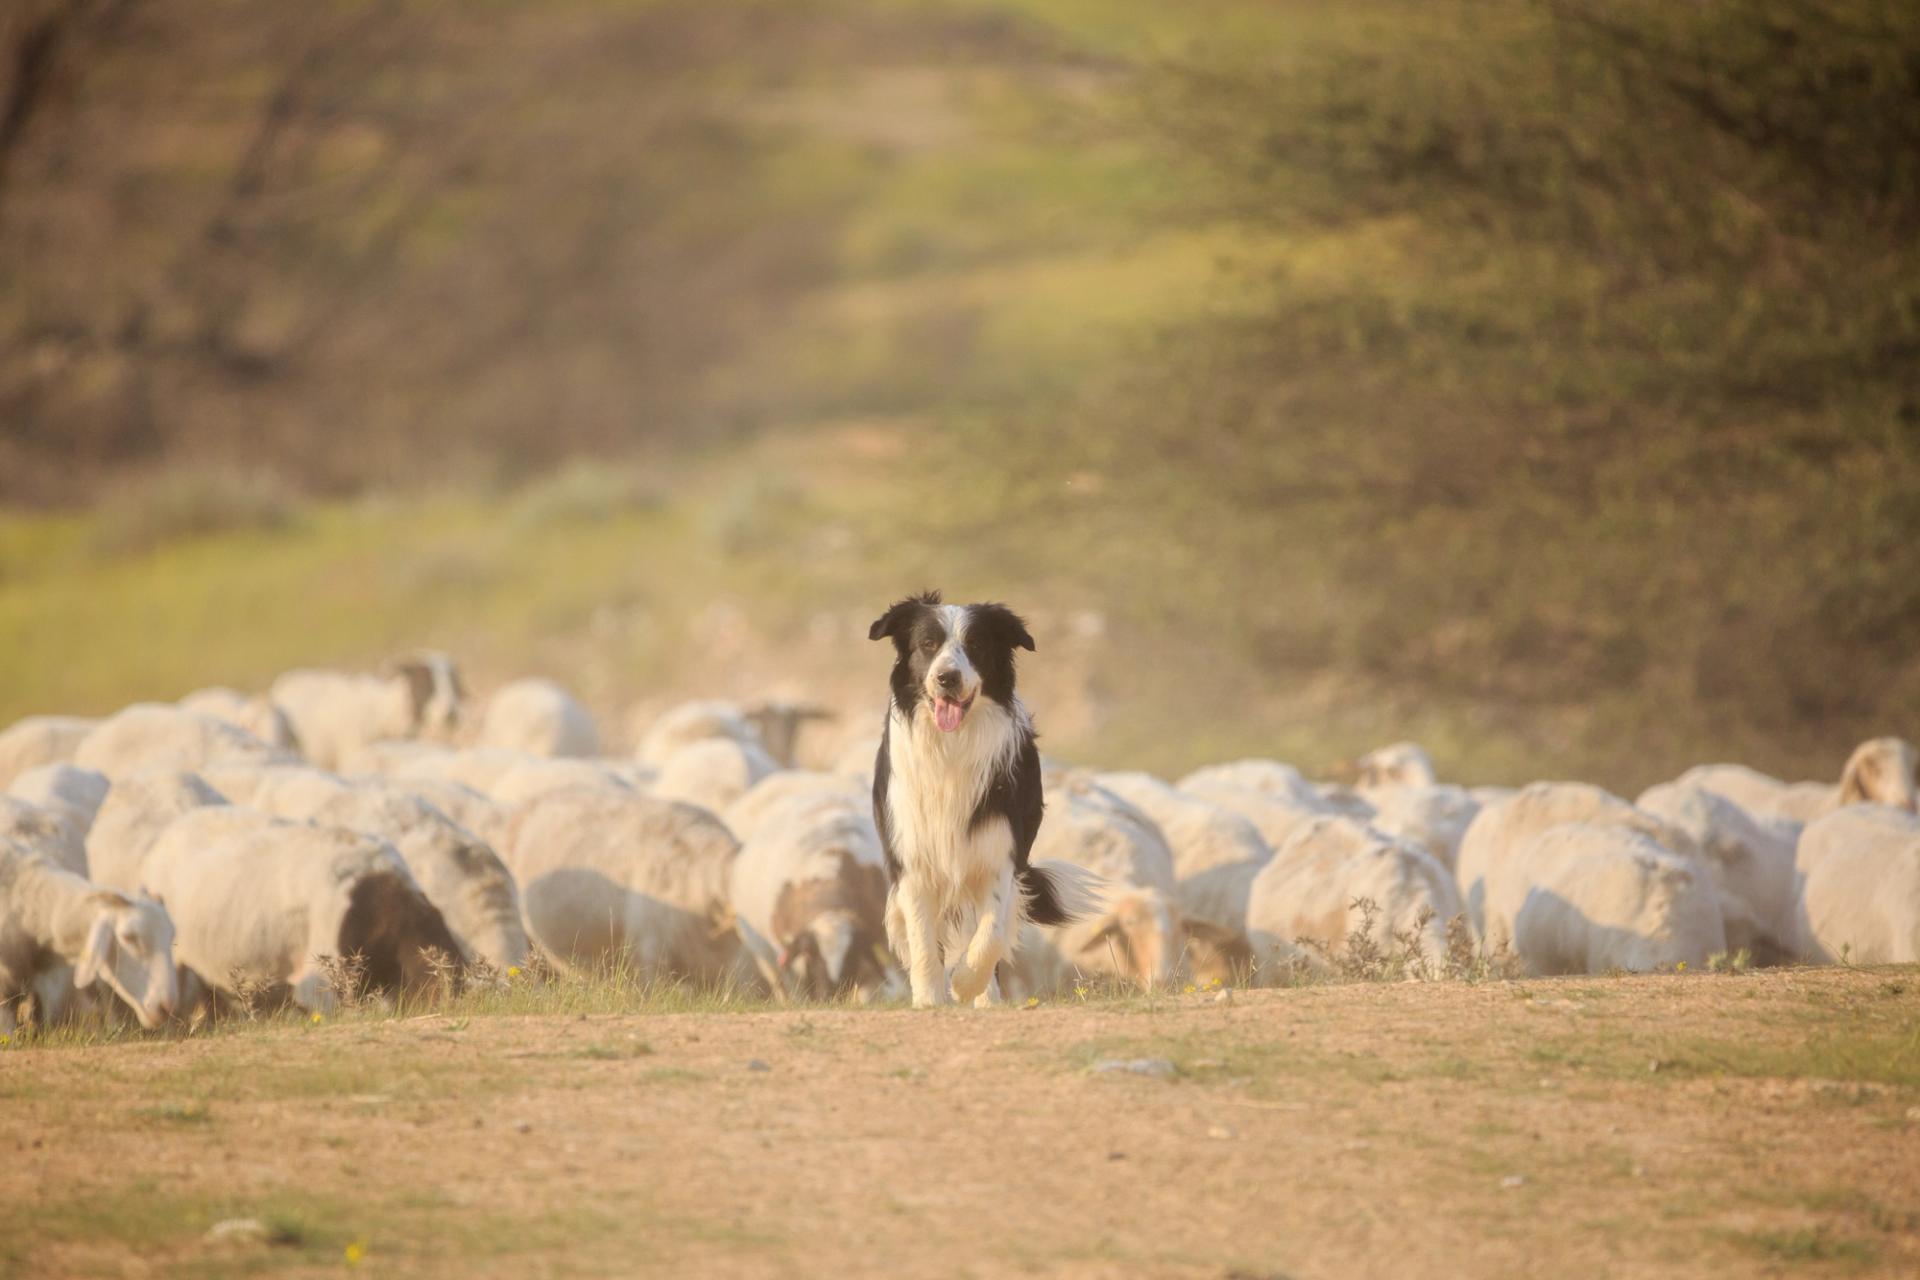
<point x="367" y="831"/>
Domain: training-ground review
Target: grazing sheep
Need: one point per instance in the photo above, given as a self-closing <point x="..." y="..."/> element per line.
<point x="1404" y="764"/>
<point x="1275" y="813"/>
<point x="1136" y="934"/>
<point x="59" y="933"/>
<point x="539" y="718"/>
<point x="692" y="722"/>
<point x="1859" y="900"/>
<point x="335" y="714"/>
<point x="43" y="833"/>
<point x="1262" y="777"/>
<point x="1880" y="771"/>
<point x="809" y="894"/>
<point x="778" y="725"/>
<point x="1750" y="859"/>
<point x="39" y="740"/>
<point x="460" y="875"/>
<point x="261" y="901"/>
<point x="257" y="715"/>
<point x="627" y="880"/>
<point x="68" y="790"/>
<point x="1216" y="855"/>
<point x="745" y="816"/>
<point x="1435" y="818"/>
<point x="1595" y="898"/>
<point x="1500" y="829"/>
<point x="713" y="773"/>
<point x="156" y="735"/>
<point x="137" y="809"/>
<point x="1306" y="904"/>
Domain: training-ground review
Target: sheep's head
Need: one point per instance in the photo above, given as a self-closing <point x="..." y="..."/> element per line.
<point x="1215" y="955"/>
<point x="130" y="947"/>
<point x="1404" y="764"/>
<point x="1139" y="938"/>
<point x="832" y="956"/>
<point x="1880" y="771"/>
<point x="436" y="695"/>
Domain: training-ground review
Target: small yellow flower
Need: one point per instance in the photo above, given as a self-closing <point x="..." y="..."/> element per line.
<point x="316" y="1019"/>
<point x="5" y="1040"/>
<point x="513" y="971"/>
<point x="356" y="1253"/>
<point x="1681" y="967"/>
<point x="1191" y="988"/>
<point x="1033" y="1002"/>
<point x="1080" y="990"/>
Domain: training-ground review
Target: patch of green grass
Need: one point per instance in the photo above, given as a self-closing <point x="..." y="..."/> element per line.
<point x="188" y="1113"/>
<point x="1809" y="1245"/>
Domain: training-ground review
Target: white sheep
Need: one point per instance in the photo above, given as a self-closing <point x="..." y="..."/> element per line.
<point x="745" y="816"/>
<point x="692" y="722"/>
<point x="809" y="895"/>
<point x="59" y="933"/>
<point x="1500" y="829"/>
<point x="1859" y="899"/>
<point x="44" y="833"/>
<point x="1263" y="777"/>
<point x="68" y="790"/>
<point x="713" y="772"/>
<point x="335" y="713"/>
<point x="626" y="880"/>
<point x="1275" y="811"/>
<point x="1880" y="771"/>
<point x="1309" y="901"/>
<point x="39" y="740"/>
<point x="263" y="901"/>
<point x="1136" y="935"/>
<point x="1750" y="859"/>
<point x="257" y="714"/>
<point x="539" y="718"/>
<point x="1597" y="898"/>
<point x="455" y="868"/>
<point x="1404" y="764"/>
<point x="158" y="735"/>
<point x="137" y="809"/>
<point x="1434" y="817"/>
<point x="1216" y="855"/>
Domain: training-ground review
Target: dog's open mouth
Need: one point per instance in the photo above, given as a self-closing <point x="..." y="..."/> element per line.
<point x="947" y="714"/>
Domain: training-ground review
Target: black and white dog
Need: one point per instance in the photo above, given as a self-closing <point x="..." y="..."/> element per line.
<point x="956" y="795"/>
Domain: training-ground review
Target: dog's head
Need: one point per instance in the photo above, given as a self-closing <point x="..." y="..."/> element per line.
<point x="949" y="655"/>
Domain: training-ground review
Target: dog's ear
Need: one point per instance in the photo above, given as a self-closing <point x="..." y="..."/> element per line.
<point x="1005" y="624"/>
<point x="894" y="621"/>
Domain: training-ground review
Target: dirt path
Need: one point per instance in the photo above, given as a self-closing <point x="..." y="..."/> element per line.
<point x="1680" y="1126"/>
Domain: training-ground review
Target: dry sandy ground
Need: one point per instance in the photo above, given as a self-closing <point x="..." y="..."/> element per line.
<point x="1696" y="1125"/>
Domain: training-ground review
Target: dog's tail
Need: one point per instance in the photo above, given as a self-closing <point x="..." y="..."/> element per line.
<point x="1060" y="892"/>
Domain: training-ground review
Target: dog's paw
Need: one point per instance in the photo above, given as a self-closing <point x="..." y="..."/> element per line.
<point x="969" y="982"/>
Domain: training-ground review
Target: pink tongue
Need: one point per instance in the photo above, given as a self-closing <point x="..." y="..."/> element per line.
<point x="946" y="714"/>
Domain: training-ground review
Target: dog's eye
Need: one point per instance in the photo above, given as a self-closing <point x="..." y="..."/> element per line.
<point x="930" y="645"/>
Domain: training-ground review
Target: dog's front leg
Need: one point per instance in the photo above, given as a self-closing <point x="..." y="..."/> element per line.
<point x="926" y="974"/>
<point x="991" y="943"/>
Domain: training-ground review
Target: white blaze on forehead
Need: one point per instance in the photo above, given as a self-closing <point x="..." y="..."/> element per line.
<point x="953" y="654"/>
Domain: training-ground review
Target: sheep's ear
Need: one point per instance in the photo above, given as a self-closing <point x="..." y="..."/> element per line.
<point x="1110" y="932"/>
<point x="894" y="621"/>
<point x="1006" y="624"/>
<point x="97" y="954"/>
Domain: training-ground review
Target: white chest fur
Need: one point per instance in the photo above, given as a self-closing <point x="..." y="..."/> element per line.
<point x="936" y="781"/>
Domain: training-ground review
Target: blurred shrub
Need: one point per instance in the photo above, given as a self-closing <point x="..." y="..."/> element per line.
<point x="185" y="502"/>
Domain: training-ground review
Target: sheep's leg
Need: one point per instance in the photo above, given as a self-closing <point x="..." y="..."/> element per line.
<point x="990" y="944"/>
<point x="925" y="973"/>
<point x="991" y="996"/>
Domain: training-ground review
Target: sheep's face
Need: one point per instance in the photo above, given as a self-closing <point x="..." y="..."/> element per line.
<point x="1404" y="764"/>
<point x="948" y="655"/>
<point x="834" y="956"/>
<point x="1881" y="772"/>
<point x="1139" y="939"/>
<point x="130" y="948"/>
<point x="435" y="693"/>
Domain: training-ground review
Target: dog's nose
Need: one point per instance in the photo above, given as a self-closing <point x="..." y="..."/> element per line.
<point x="949" y="680"/>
